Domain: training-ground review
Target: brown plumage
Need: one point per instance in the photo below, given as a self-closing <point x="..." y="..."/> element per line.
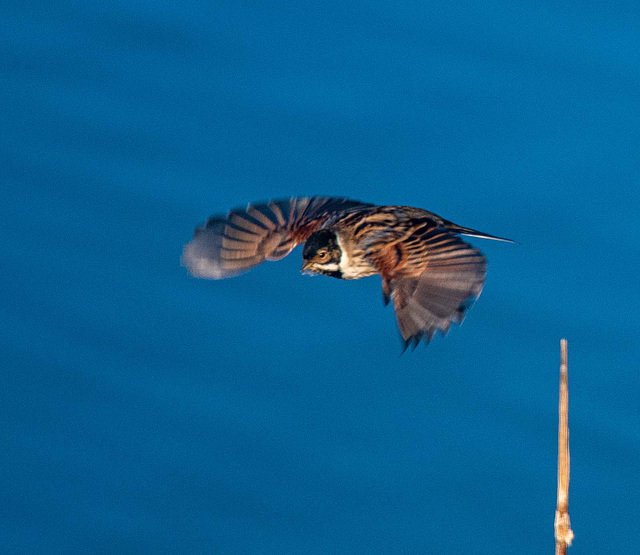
<point x="431" y="275"/>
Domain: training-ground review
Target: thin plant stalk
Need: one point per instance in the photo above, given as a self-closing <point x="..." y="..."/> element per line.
<point x="562" y="523"/>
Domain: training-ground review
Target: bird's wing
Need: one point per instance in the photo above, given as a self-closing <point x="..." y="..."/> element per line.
<point x="432" y="276"/>
<point x="230" y="245"/>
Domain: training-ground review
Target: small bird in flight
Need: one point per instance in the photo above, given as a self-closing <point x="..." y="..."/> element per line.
<point x="429" y="273"/>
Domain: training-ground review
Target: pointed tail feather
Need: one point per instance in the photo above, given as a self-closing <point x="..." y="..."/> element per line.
<point x="473" y="232"/>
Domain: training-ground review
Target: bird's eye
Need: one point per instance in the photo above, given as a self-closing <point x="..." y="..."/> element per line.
<point x="322" y="255"/>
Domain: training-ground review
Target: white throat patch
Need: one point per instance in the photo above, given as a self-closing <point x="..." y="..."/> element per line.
<point x="353" y="267"/>
<point x="345" y="261"/>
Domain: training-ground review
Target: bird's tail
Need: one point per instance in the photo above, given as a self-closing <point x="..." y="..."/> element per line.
<point x="455" y="228"/>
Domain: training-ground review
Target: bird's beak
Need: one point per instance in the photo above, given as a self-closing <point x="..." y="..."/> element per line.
<point x="306" y="266"/>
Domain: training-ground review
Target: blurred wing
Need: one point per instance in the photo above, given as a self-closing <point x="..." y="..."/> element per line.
<point x="432" y="277"/>
<point x="227" y="246"/>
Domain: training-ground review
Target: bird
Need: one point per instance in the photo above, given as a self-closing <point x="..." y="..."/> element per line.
<point x="429" y="274"/>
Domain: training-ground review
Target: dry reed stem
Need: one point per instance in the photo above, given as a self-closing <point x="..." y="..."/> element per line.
<point x="562" y="523"/>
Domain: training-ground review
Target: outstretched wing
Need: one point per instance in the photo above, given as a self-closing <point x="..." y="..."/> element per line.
<point x="227" y="246"/>
<point x="432" y="276"/>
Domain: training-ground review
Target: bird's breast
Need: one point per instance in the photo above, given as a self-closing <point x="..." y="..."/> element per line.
<point x="353" y="263"/>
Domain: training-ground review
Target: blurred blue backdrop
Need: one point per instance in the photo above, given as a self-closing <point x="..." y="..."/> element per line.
<point x="143" y="410"/>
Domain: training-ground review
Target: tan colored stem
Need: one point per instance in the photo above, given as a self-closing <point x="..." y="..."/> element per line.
<point x="562" y="523"/>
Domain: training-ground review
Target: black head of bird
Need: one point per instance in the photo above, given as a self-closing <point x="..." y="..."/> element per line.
<point x="321" y="254"/>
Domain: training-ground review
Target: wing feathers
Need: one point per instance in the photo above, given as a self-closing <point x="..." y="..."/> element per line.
<point x="275" y="209"/>
<point x="242" y="236"/>
<point x="245" y="224"/>
<point x="439" y="281"/>
<point x="228" y="246"/>
<point x="233" y="244"/>
<point x="259" y="216"/>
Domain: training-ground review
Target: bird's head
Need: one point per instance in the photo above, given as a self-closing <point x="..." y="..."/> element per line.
<point x="321" y="254"/>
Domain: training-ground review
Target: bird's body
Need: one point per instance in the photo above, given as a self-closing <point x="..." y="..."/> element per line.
<point x="431" y="275"/>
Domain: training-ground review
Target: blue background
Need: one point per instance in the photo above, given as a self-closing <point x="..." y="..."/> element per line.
<point x="143" y="410"/>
